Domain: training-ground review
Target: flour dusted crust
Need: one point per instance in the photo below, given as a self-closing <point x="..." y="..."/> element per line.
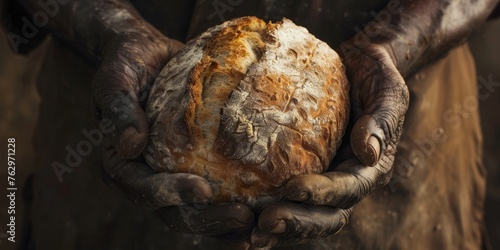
<point x="248" y="105"/>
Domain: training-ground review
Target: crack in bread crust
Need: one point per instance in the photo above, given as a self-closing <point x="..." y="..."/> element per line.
<point x="248" y="105"/>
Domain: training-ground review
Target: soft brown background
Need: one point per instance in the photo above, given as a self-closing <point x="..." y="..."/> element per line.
<point x="19" y="103"/>
<point x="486" y="50"/>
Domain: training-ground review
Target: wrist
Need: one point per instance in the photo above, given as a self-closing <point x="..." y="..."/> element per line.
<point x="423" y="31"/>
<point x="99" y="25"/>
<point x="87" y="25"/>
<point x="390" y="41"/>
<point x="367" y="51"/>
<point x="403" y="52"/>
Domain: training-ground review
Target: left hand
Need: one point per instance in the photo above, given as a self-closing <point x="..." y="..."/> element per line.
<point x="379" y="100"/>
<point x="129" y="67"/>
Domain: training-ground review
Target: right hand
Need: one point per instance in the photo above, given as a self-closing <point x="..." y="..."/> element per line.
<point x="379" y="100"/>
<point x="130" y="63"/>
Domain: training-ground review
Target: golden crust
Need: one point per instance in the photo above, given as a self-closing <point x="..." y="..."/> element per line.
<point x="248" y="105"/>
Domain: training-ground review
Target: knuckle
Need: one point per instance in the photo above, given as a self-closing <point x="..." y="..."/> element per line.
<point x="363" y="187"/>
<point x="345" y="216"/>
<point x="159" y="192"/>
<point x="386" y="170"/>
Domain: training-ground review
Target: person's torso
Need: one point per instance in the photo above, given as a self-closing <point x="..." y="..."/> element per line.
<point x="433" y="202"/>
<point x="332" y="21"/>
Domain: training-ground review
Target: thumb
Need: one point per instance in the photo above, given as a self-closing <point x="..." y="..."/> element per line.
<point x="384" y="102"/>
<point x="117" y="101"/>
<point x="121" y="85"/>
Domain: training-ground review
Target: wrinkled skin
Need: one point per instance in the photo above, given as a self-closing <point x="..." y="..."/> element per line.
<point x="376" y="69"/>
<point x="120" y="90"/>
<point x="131" y="52"/>
<point x="380" y="99"/>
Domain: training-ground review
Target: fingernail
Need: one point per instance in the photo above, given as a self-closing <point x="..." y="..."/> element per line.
<point x="374" y="145"/>
<point x="280" y="227"/>
<point x="267" y="241"/>
<point x="297" y="195"/>
<point x="234" y="224"/>
<point x="261" y="239"/>
<point x="197" y="200"/>
<point x="131" y="143"/>
<point x="273" y="242"/>
<point x="200" y="197"/>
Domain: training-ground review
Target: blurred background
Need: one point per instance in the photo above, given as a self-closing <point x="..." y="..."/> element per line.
<point x="484" y="46"/>
<point x="19" y="106"/>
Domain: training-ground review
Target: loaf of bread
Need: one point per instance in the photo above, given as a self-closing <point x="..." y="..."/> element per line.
<point x="248" y="105"/>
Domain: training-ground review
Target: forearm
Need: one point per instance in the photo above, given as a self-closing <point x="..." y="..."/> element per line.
<point x="87" y="25"/>
<point x="435" y="27"/>
<point x="423" y="30"/>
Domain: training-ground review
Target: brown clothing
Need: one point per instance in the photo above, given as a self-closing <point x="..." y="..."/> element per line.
<point x="435" y="200"/>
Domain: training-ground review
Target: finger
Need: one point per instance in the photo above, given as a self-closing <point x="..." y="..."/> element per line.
<point x="153" y="190"/>
<point x="216" y="219"/>
<point x="383" y="100"/>
<point x="343" y="188"/>
<point x="287" y="223"/>
<point x="122" y="83"/>
<point x="366" y="140"/>
<point x="115" y="92"/>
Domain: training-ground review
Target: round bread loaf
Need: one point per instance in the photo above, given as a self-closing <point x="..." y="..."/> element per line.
<point x="248" y="105"/>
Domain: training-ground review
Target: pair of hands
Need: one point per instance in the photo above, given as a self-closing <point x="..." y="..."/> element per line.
<point x="315" y="205"/>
